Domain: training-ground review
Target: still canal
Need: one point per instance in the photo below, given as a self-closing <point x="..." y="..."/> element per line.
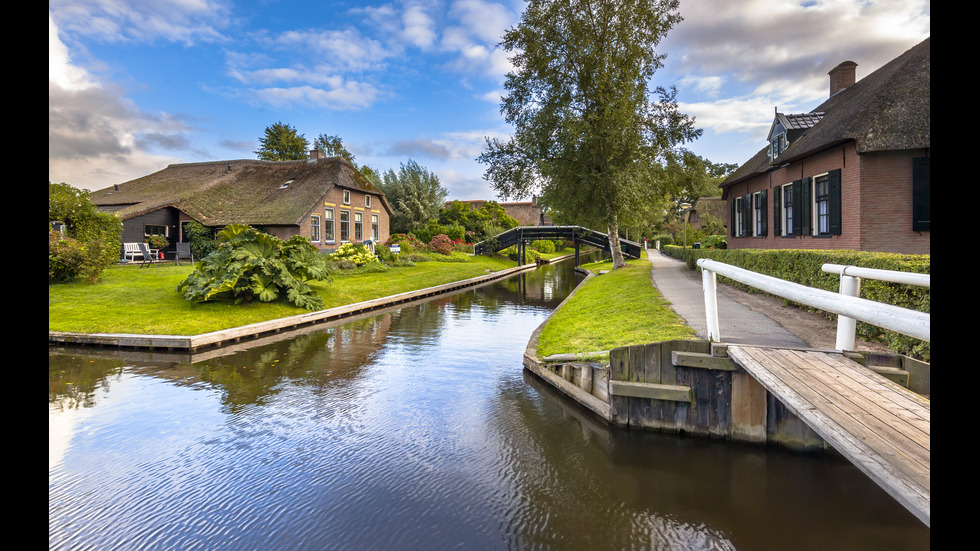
<point x="415" y="428"/>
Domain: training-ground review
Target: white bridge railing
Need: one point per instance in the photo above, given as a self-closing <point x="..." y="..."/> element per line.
<point x="846" y="304"/>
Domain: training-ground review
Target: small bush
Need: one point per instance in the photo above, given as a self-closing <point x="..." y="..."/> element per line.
<point x="66" y="258"/>
<point x="543" y="246"/>
<point x="358" y="254"/>
<point x="441" y="244"/>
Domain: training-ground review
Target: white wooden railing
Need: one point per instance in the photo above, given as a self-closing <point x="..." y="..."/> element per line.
<point x="846" y="304"/>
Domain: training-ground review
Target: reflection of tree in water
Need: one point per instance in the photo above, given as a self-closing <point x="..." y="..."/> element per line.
<point x="73" y="380"/>
<point x="319" y="359"/>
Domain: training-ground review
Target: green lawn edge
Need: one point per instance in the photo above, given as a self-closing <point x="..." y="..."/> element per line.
<point x="135" y="300"/>
<point x="619" y="308"/>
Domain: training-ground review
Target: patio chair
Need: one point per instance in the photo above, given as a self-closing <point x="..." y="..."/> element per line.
<point x="183" y="252"/>
<point x="149" y="255"/>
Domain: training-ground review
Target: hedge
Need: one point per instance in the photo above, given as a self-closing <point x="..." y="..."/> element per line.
<point x="804" y="267"/>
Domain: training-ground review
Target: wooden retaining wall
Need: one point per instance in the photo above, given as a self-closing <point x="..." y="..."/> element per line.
<point x="693" y="387"/>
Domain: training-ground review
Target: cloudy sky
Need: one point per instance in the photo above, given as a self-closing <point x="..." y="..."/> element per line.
<point x="135" y="85"/>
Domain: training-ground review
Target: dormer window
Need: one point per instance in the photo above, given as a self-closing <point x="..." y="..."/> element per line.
<point x="777" y="144"/>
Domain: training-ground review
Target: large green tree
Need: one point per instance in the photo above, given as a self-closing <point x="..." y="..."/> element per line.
<point x="281" y="142"/>
<point x="588" y="136"/>
<point x="415" y="196"/>
<point x="333" y="146"/>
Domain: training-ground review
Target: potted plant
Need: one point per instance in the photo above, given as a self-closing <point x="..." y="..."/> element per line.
<point x="158" y="242"/>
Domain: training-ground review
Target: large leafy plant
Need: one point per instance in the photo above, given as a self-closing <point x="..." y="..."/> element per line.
<point x="249" y="264"/>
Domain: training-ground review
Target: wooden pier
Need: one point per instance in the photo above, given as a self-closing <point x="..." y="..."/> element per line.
<point x="872" y="408"/>
<point x="879" y="425"/>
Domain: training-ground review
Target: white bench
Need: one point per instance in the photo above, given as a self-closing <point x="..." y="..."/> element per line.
<point x="132" y="250"/>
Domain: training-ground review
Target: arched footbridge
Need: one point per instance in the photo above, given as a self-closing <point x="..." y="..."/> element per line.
<point x="522" y="235"/>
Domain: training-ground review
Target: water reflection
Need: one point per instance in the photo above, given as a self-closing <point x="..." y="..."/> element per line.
<point x="413" y="429"/>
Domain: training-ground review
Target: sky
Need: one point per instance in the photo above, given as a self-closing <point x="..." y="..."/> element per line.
<point x="135" y="85"/>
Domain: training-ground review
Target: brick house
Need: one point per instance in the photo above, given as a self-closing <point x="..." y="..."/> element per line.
<point x="851" y="174"/>
<point x="323" y="199"/>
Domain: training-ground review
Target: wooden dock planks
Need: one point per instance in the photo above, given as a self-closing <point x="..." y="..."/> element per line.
<point x="880" y="426"/>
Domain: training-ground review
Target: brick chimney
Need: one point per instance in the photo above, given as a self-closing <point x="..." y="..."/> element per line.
<point x="842" y="76"/>
<point x="314" y="154"/>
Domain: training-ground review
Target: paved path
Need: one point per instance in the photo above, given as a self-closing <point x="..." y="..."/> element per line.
<point x="737" y="323"/>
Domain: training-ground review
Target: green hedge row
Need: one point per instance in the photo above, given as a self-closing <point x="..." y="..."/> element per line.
<point x="804" y="267"/>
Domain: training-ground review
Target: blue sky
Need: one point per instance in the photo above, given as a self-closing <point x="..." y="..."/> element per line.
<point x="135" y="85"/>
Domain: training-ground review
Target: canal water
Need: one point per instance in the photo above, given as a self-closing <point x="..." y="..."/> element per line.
<point x="415" y="428"/>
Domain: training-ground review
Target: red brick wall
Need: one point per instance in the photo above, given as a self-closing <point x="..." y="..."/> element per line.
<point x="876" y="202"/>
<point x="335" y="200"/>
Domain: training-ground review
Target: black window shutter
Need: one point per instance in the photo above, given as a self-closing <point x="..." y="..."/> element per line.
<point x="747" y="229"/>
<point x="796" y="190"/>
<point x="776" y="214"/>
<point x="920" y="194"/>
<point x="835" y="203"/>
<point x="733" y="221"/>
<point x="806" y="208"/>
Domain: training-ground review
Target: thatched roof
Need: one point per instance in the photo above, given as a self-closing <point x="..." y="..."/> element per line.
<point x="886" y="110"/>
<point x="246" y="191"/>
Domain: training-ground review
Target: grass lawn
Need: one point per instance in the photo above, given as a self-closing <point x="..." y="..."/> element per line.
<point x="129" y="299"/>
<point x="619" y="308"/>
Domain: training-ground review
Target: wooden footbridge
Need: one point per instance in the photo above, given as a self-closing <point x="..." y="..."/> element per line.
<point x="872" y="408"/>
<point x="521" y="235"/>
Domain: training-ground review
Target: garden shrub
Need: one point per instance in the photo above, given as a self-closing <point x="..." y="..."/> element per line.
<point x="543" y="246"/>
<point x="66" y="257"/>
<point x="97" y="232"/>
<point x="249" y="264"/>
<point x="441" y="244"/>
<point x="201" y="237"/>
<point x="354" y="252"/>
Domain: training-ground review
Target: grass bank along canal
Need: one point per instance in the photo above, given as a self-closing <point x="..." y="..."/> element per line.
<point x="415" y="428"/>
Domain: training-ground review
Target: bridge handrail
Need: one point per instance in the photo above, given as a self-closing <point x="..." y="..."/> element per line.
<point x="850" y="285"/>
<point x="886" y="316"/>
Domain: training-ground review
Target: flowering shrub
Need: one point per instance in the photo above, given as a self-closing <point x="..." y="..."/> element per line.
<point x="441" y="244"/>
<point x="409" y="243"/>
<point x="158" y="242"/>
<point x="356" y="253"/>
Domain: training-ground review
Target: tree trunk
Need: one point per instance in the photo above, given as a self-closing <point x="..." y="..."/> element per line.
<point x="617" y="250"/>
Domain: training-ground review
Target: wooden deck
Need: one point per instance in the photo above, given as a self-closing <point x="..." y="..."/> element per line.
<point x="880" y="426"/>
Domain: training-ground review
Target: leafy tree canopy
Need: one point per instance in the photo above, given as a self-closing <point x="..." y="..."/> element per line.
<point x="587" y="133"/>
<point x="415" y="196"/>
<point x="282" y="143"/>
<point x="332" y="146"/>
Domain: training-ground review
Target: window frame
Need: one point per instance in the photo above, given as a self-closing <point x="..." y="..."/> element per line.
<point x="344" y="226"/>
<point x="329" y="235"/>
<point x="358" y="226"/>
<point x="375" y="228"/>
<point x="315" y="232"/>
<point x="346" y="196"/>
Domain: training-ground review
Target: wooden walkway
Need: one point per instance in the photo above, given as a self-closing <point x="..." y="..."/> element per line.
<point x="880" y="426"/>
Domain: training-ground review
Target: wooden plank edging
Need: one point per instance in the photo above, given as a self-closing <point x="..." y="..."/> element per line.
<point x="193" y="342"/>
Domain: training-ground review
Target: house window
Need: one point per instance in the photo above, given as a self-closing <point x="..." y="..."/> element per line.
<point x="315" y="228"/>
<point x="821" y="205"/>
<point x="375" y="229"/>
<point x="345" y="225"/>
<point x="739" y="218"/>
<point x="358" y="226"/>
<point x="777" y="145"/>
<point x="367" y="201"/>
<point x="150" y="229"/>
<point x="346" y="197"/>
<point x="787" y="210"/>
<point x="328" y="225"/>
<point x="760" y="205"/>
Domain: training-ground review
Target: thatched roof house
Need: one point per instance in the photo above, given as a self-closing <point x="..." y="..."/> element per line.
<point x="320" y="198"/>
<point x="851" y="174"/>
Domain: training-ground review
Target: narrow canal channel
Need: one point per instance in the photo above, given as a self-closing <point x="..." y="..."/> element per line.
<point x="415" y="428"/>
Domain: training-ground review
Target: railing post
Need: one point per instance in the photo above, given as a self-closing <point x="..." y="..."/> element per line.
<point x="846" y="326"/>
<point x="709" y="283"/>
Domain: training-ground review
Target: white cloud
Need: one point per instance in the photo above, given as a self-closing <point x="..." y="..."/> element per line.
<point x="144" y="21"/>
